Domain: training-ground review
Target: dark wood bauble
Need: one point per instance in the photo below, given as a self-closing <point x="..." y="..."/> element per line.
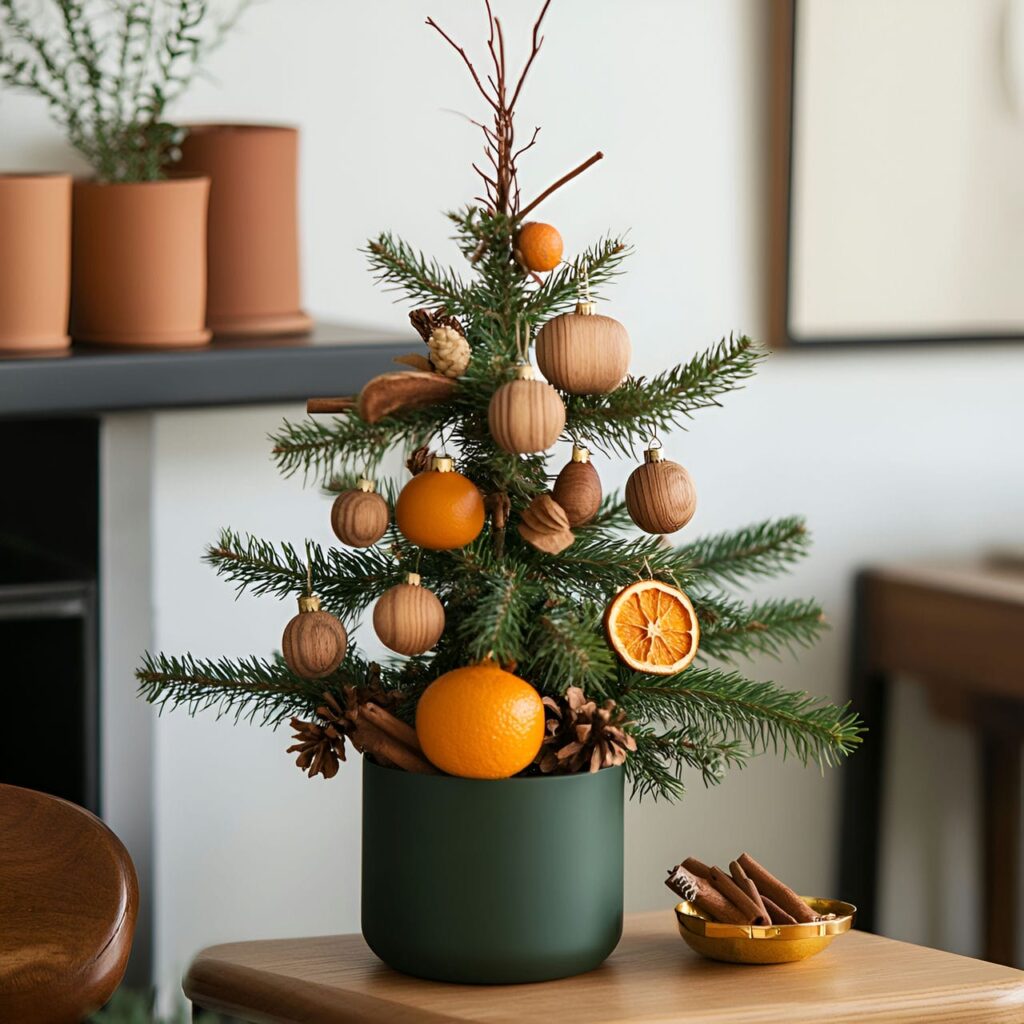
<point x="408" y="618"/>
<point x="660" y="495"/>
<point x="578" y="488"/>
<point x="314" y="642"/>
<point x="359" y="517"/>
<point x="584" y="352"/>
<point x="526" y="415"/>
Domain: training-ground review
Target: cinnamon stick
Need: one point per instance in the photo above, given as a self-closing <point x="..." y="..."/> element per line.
<point x="697" y="867"/>
<point x="366" y="737"/>
<point x="775" y="912"/>
<point x="703" y="895"/>
<point x="753" y="913"/>
<point x="739" y="876"/>
<point x="315" y="405"/>
<point x="393" y="727"/>
<point x="780" y="894"/>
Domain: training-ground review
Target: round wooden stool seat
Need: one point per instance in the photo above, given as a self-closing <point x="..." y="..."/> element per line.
<point x="68" y="902"/>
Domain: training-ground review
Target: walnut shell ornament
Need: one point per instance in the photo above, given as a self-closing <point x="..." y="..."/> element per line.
<point x="526" y="415"/>
<point x="660" y="495"/>
<point x="584" y="353"/>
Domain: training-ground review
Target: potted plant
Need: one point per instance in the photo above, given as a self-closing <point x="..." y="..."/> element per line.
<point x="253" y="285"/>
<point x="107" y="72"/>
<point x="546" y="651"/>
<point x="35" y="261"/>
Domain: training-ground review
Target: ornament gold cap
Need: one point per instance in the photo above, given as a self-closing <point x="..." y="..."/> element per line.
<point x="442" y="464"/>
<point x="524" y="371"/>
<point x="580" y="454"/>
<point x="653" y="454"/>
<point x="309" y="603"/>
<point x="414" y="579"/>
<point x="363" y="484"/>
<point x="586" y="307"/>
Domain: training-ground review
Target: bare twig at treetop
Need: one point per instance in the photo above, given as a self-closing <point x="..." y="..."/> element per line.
<point x="501" y="189"/>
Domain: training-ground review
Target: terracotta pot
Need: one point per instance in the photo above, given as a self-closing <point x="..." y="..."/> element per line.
<point x="253" y="241"/>
<point x="35" y="261"/>
<point x="139" y="262"/>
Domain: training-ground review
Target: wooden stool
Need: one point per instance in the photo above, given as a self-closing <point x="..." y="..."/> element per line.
<point x="68" y="901"/>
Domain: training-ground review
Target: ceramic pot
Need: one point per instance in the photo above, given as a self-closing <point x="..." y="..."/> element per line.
<point x="139" y="262"/>
<point x="492" y="882"/>
<point x="253" y="238"/>
<point x="35" y="261"/>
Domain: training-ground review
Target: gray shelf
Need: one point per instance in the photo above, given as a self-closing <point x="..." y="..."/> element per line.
<point x="334" y="360"/>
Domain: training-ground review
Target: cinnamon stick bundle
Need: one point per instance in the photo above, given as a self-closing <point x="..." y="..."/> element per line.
<point x="781" y="894"/>
<point x="752" y="911"/>
<point x="739" y="876"/>
<point x="703" y="895"/>
<point x="776" y="913"/>
<point x="368" y="738"/>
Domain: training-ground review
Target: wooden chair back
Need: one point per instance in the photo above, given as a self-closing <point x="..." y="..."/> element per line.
<point x="68" y="902"/>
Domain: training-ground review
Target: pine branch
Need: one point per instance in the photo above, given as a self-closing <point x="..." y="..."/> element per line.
<point x="656" y="768"/>
<point x="760" y="713"/>
<point x="565" y="646"/>
<point x="729" y="627"/>
<point x="560" y="290"/>
<point x="761" y="550"/>
<point x="398" y="267"/>
<point x="640" y="408"/>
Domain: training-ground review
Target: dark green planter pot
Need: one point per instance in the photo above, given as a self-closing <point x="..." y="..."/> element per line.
<point x="492" y="882"/>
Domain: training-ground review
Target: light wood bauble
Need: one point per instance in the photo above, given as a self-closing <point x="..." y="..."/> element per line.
<point x="408" y="618"/>
<point x="526" y="415"/>
<point x="359" y="517"/>
<point x="578" y="488"/>
<point x="314" y="642"/>
<point x="584" y="352"/>
<point x="660" y="495"/>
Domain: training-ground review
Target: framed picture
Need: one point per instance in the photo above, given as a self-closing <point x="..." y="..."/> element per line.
<point x="897" y="171"/>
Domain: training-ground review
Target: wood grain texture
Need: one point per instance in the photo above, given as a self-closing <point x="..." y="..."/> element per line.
<point x="68" y="903"/>
<point x="409" y="619"/>
<point x="660" y="497"/>
<point x="526" y="416"/>
<point x="652" y="976"/>
<point x="584" y="354"/>
<point x="359" y="518"/>
<point x="314" y="644"/>
<point x="578" y="490"/>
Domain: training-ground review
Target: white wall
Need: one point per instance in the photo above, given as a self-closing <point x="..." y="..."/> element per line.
<point x="890" y="454"/>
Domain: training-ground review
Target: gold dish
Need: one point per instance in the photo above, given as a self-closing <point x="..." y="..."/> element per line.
<point x="769" y="944"/>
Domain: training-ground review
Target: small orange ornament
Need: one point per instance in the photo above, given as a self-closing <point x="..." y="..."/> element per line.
<point x="539" y="246"/>
<point x="440" y="509"/>
<point x="653" y="628"/>
<point x="480" y="722"/>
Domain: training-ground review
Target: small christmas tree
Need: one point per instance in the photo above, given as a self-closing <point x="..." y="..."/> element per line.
<point x="555" y="587"/>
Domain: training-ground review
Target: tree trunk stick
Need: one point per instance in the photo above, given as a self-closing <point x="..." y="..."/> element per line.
<point x="558" y="184"/>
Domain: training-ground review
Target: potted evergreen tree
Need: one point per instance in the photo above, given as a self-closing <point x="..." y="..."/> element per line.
<point x="548" y="653"/>
<point x="107" y="71"/>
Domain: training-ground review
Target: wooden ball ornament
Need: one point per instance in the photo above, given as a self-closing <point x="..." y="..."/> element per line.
<point x="578" y="488"/>
<point x="660" y="495"/>
<point x="440" y="509"/>
<point x="314" y="642"/>
<point x="408" y="618"/>
<point x="584" y="352"/>
<point x="526" y="415"/>
<point x="359" y="517"/>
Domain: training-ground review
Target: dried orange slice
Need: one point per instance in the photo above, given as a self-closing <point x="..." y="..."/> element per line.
<point x="653" y="628"/>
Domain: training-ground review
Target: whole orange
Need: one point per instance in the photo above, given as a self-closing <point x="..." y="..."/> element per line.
<point x="480" y="722"/>
<point x="440" y="509"/>
<point x="540" y="246"/>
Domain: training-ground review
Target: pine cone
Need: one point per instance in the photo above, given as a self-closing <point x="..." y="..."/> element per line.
<point x="580" y="736"/>
<point x="418" y="462"/>
<point x="320" y="748"/>
<point x="449" y="351"/>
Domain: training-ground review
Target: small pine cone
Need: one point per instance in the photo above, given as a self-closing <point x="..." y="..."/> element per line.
<point x="449" y="351"/>
<point x="419" y="461"/>
<point x="580" y="736"/>
<point x="320" y="748"/>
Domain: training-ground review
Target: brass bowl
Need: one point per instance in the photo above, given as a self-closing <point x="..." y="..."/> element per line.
<point x="757" y="944"/>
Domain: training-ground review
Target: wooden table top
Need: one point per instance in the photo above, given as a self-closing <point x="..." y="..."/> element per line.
<point x="652" y="976"/>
